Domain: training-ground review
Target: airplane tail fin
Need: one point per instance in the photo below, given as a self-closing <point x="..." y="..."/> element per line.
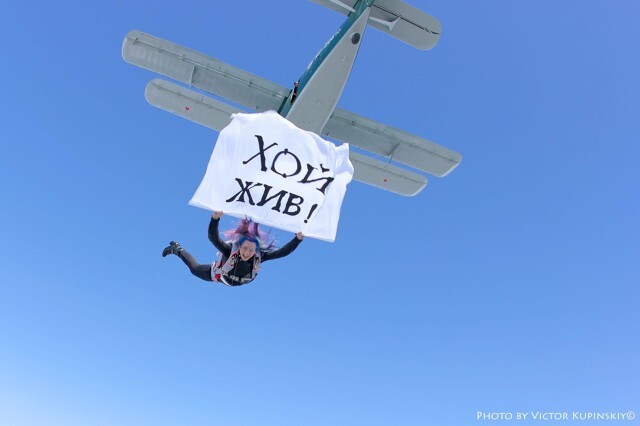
<point x="396" y="18"/>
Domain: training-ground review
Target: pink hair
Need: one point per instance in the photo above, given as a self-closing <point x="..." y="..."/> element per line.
<point x="247" y="229"/>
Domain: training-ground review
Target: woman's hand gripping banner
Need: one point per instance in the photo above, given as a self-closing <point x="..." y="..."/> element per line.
<point x="266" y="168"/>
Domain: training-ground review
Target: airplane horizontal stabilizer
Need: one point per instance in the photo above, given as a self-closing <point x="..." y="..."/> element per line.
<point x="396" y="18"/>
<point x="202" y="71"/>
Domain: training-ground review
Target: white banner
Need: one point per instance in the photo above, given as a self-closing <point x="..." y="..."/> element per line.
<point x="266" y="168"/>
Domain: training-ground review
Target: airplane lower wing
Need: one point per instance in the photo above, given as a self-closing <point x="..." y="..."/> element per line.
<point x="216" y="115"/>
<point x="386" y="176"/>
<point x="188" y="104"/>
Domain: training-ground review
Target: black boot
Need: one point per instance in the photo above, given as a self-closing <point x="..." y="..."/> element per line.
<point x="173" y="248"/>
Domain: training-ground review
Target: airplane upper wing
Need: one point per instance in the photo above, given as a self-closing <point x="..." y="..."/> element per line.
<point x="238" y="86"/>
<point x="391" y="143"/>
<point x="203" y="72"/>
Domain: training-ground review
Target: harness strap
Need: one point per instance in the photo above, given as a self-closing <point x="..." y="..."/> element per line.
<point x="219" y="271"/>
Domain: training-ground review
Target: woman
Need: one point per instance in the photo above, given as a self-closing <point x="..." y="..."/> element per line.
<point x="240" y="259"/>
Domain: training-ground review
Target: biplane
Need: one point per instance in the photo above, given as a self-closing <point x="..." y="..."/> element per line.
<point x="388" y="154"/>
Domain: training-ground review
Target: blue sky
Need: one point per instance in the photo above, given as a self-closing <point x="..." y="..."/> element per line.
<point x="509" y="286"/>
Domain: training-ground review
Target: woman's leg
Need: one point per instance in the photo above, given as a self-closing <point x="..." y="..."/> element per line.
<point x="201" y="271"/>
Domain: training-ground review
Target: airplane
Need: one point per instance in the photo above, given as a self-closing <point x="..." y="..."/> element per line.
<point x="312" y="102"/>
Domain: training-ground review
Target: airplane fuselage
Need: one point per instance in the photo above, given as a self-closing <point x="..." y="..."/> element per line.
<point x="321" y="85"/>
<point x="311" y="105"/>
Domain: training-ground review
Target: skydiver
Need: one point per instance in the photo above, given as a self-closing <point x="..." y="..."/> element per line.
<point x="240" y="258"/>
<point x="294" y="92"/>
